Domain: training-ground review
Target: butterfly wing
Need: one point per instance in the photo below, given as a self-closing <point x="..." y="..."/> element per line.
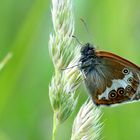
<point x="114" y="80"/>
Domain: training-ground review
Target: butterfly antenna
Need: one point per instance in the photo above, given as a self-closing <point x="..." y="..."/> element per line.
<point x="86" y="28"/>
<point x="77" y="40"/>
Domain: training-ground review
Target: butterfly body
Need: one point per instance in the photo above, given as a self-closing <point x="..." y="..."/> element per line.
<point x="109" y="78"/>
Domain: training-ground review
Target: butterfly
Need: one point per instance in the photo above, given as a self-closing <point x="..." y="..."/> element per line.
<point x="109" y="79"/>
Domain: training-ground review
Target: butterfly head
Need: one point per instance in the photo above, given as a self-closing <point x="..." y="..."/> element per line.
<point x="87" y="50"/>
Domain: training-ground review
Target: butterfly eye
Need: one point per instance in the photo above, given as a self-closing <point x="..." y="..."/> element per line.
<point x="90" y="52"/>
<point x="128" y="88"/>
<point x="125" y="71"/>
<point x="121" y="91"/>
<point x="112" y="94"/>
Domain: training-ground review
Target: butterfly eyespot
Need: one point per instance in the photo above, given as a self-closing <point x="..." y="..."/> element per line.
<point x="128" y="88"/>
<point x="121" y="91"/>
<point x="125" y="71"/>
<point x="112" y="94"/>
<point x="130" y="80"/>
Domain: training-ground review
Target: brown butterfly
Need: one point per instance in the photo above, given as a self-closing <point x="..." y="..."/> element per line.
<point x="110" y="79"/>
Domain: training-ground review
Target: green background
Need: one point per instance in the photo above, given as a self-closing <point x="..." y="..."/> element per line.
<point x="25" y="111"/>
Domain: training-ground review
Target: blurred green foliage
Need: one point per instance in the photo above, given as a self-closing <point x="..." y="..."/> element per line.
<point x="25" y="111"/>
